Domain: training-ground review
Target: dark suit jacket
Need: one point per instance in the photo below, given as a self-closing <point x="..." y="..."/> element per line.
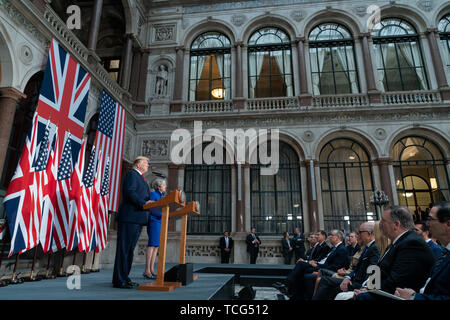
<point x="337" y="259"/>
<point x="321" y="252"/>
<point x="437" y="250"/>
<point x="136" y="193"/>
<point x="222" y="243"/>
<point x="285" y="247"/>
<point x="371" y="257"/>
<point x="406" y="264"/>
<point x="250" y="245"/>
<point x="438" y="288"/>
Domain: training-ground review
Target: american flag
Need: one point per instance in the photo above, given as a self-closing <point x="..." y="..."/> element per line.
<point x="61" y="223"/>
<point x="102" y="217"/>
<point x="63" y="98"/>
<point x="76" y="195"/>
<point x="85" y="222"/>
<point x="109" y="139"/>
<point x="50" y="199"/>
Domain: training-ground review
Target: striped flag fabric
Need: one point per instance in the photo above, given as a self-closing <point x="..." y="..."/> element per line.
<point x="3" y="229"/>
<point x="61" y="228"/>
<point x="85" y="222"/>
<point x="110" y="140"/>
<point x="103" y="202"/>
<point x="49" y="196"/>
<point x="76" y="194"/>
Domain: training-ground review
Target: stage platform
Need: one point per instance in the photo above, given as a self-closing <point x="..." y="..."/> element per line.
<point x="215" y="282"/>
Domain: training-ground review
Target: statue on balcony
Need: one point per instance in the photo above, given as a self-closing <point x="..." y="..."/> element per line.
<point x="161" y="81"/>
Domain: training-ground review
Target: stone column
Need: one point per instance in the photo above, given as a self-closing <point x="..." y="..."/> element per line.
<point x="313" y="208"/>
<point x="179" y="80"/>
<point x="439" y="68"/>
<point x="135" y="73"/>
<point x="126" y="62"/>
<point x="374" y="94"/>
<point x="305" y="94"/>
<point x="240" y="197"/>
<point x="239" y="81"/>
<point x="385" y="177"/>
<point x="143" y="75"/>
<point x="95" y="25"/>
<point x="9" y="97"/>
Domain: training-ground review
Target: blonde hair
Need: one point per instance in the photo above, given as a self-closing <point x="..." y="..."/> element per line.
<point x="140" y="158"/>
<point x="381" y="240"/>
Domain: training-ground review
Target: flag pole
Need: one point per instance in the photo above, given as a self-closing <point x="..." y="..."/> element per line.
<point x="3" y="283"/>
<point x="92" y="266"/>
<point x="61" y="272"/>
<point x="32" y="277"/>
<point x="83" y="267"/>
<point x="47" y="271"/>
<point x="74" y="260"/>
<point x="15" y="280"/>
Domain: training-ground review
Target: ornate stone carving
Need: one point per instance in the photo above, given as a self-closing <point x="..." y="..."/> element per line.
<point x="203" y="251"/>
<point x="238" y="19"/>
<point x="270" y="251"/>
<point x="25" y="54"/>
<point x="156" y="149"/>
<point x="360" y="11"/>
<point x="297" y="15"/>
<point x="308" y="136"/>
<point x="380" y="134"/>
<point x="426" y="5"/>
<point x="164" y="33"/>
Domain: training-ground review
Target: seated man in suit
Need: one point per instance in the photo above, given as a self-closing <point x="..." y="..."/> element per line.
<point x="423" y="230"/>
<point x="313" y="242"/>
<point x="352" y="246"/>
<point x="407" y="262"/>
<point x="437" y="287"/>
<point x="131" y="218"/>
<point x="329" y="287"/>
<point x="301" y="280"/>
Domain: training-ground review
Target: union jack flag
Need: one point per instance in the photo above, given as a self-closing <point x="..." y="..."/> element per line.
<point x="63" y="99"/>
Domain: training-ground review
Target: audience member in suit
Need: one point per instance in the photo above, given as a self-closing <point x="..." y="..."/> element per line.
<point x="301" y="280"/>
<point x="352" y="246"/>
<point x="154" y="228"/>
<point x="287" y="248"/>
<point x="437" y="286"/>
<point x="298" y="243"/>
<point x="407" y="262"/>
<point x="321" y="249"/>
<point x="131" y="217"/>
<point x="313" y="243"/>
<point x="253" y="243"/>
<point x="329" y="287"/>
<point x="225" y="244"/>
<point x="423" y="230"/>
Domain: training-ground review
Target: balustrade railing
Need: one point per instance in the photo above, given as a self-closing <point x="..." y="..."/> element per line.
<point x="339" y="101"/>
<point x="208" y="106"/>
<point x="289" y="103"/>
<point x="411" y="97"/>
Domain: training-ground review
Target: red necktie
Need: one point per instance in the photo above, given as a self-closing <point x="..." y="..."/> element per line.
<point x="143" y="177"/>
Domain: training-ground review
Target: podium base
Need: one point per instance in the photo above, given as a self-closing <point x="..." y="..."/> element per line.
<point x="164" y="286"/>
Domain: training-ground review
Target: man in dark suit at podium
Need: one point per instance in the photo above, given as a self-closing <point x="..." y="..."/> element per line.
<point x="253" y="244"/>
<point x="131" y="217"/>
<point x="225" y="244"/>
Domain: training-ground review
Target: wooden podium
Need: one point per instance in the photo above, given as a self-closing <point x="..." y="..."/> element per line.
<point x="171" y="202"/>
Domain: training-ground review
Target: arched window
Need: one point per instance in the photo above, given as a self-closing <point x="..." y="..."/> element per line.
<point x="347" y="184"/>
<point x="444" y="32"/>
<point x="276" y="200"/>
<point x="399" y="57"/>
<point x="211" y="186"/>
<point x="420" y="173"/>
<point x="270" y="64"/>
<point x="210" y="68"/>
<point x="332" y="56"/>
